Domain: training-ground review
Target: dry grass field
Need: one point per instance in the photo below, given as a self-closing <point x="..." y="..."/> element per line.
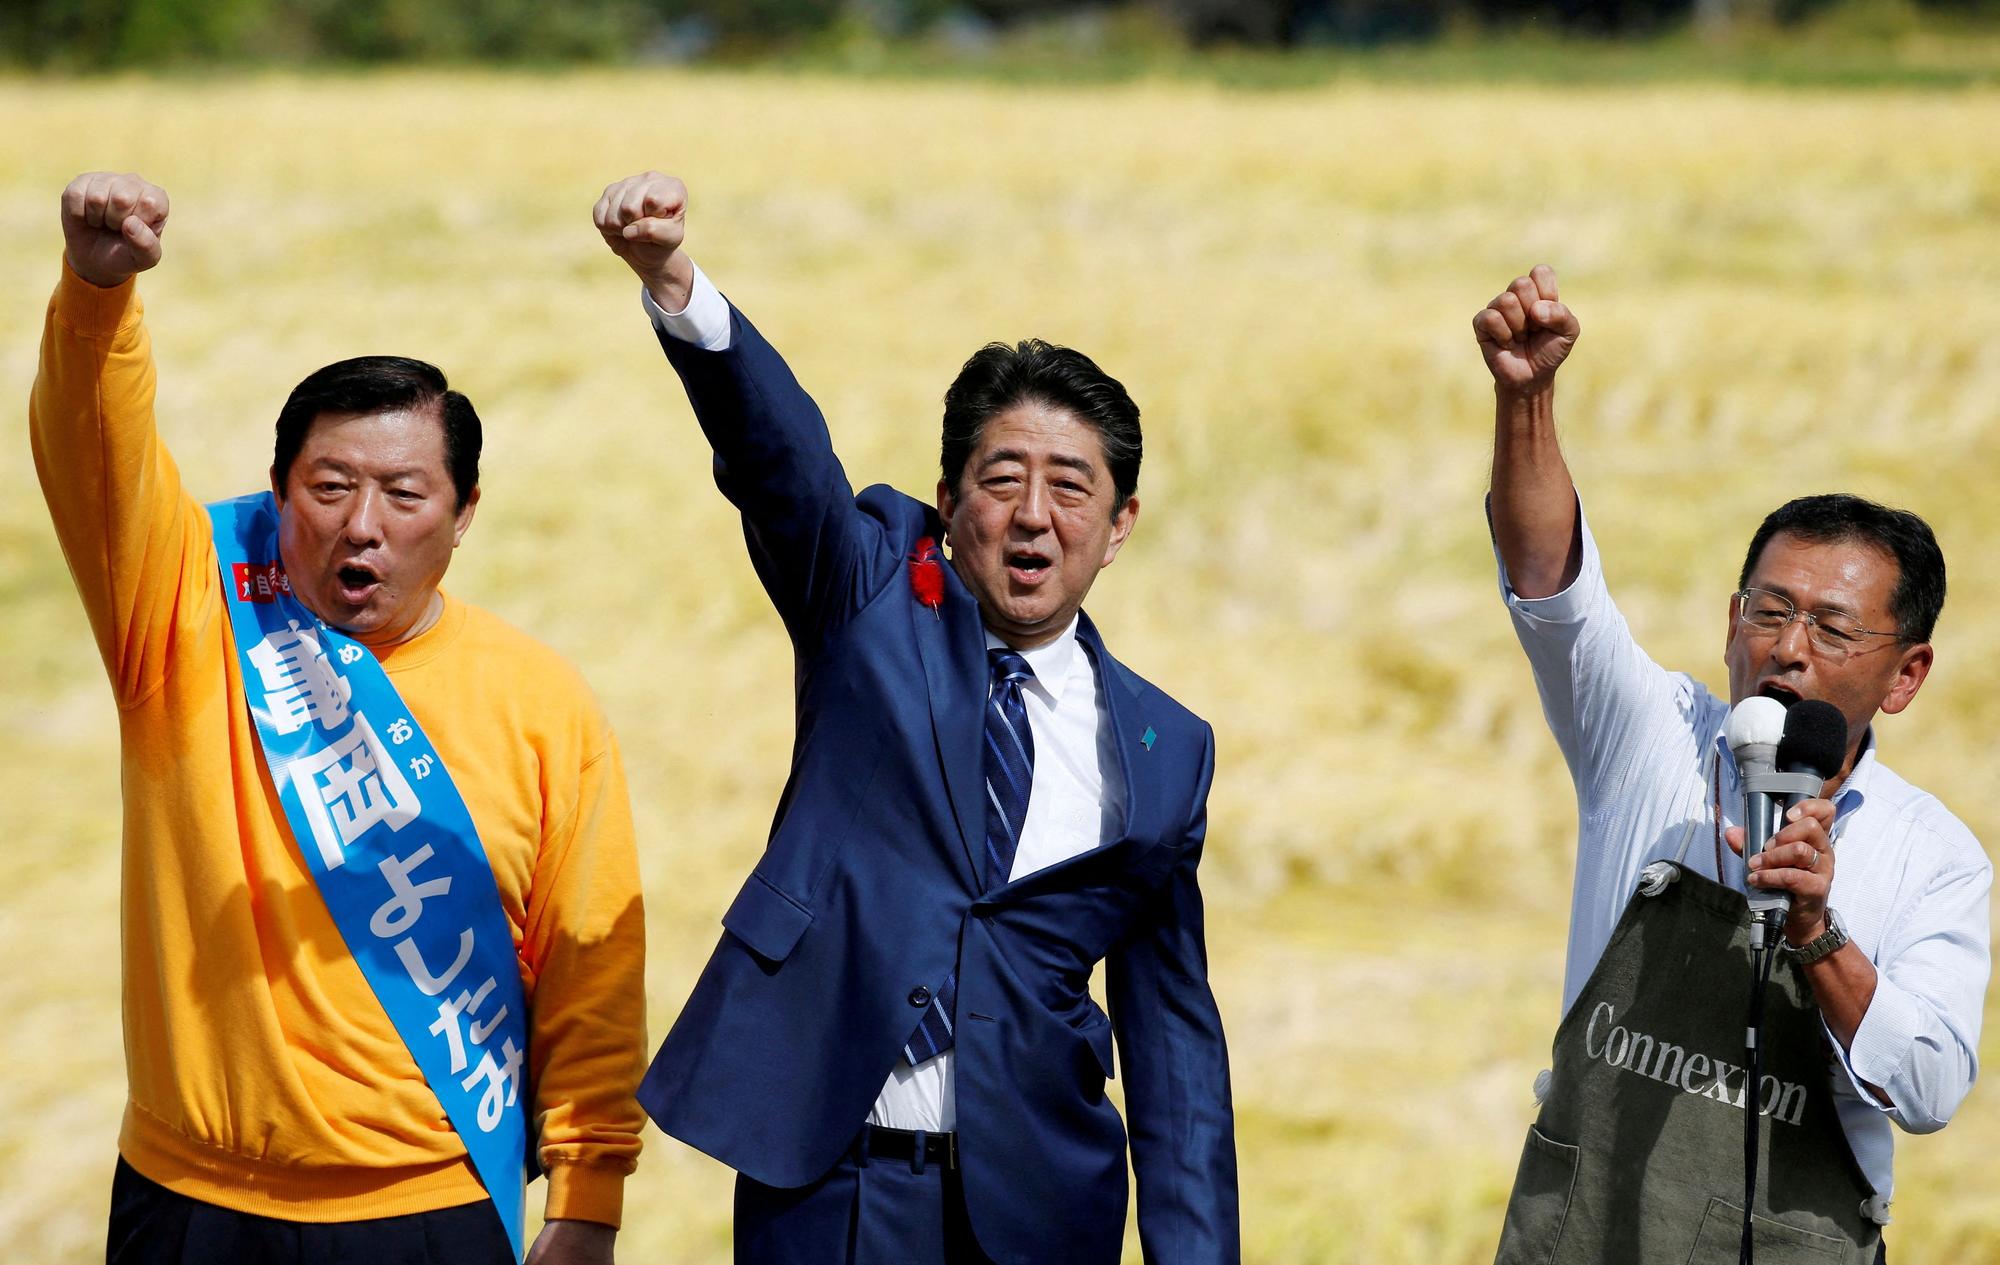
<point x="1781" y="291"/>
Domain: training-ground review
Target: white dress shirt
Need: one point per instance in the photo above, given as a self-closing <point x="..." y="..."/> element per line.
<point x="1910" y="881"/>
<point x="1074" y="804"/>
<point x="1076" y="800"/>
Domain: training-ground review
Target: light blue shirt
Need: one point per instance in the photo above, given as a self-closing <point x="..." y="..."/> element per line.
<point x="1911" y="884"/>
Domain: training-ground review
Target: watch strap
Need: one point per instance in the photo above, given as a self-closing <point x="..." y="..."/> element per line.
<point x="1819" y="946"/>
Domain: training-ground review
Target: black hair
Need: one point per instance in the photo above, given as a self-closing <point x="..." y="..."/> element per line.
<point x="1833" y="517"/>
<point x="377" y="384"/>
<point x="998" y="377"/>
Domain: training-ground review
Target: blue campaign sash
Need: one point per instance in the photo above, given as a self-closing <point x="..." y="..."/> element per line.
<point x="391" y="845"/>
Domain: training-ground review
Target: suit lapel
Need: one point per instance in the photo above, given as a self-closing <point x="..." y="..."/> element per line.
<point x="952" y="644"/>
<point x="1122" y="713"/>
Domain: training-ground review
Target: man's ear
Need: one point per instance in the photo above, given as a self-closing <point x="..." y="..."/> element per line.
<point x="1729" y="634"/>
<point x="947" y="505"/>
<point x="1910" y="674"/>
<point x="1122" y="524"/>
<point x="465" y="516"/>
<point x="277" y="487"/>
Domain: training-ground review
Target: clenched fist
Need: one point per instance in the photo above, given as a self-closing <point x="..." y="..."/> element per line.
<point x="112" y="225"/>
<point x="643" y="219"/>
<point x="1526" y="332"/>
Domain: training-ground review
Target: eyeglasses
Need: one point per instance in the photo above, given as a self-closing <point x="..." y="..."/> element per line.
<point x="1833" y="633"/>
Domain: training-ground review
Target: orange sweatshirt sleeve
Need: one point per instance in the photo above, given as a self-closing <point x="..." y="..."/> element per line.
<point x="135" y="543"/>
<point x="585" y="947"/>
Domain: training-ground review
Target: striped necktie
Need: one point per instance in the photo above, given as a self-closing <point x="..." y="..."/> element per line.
<point x="1010" y="775"/>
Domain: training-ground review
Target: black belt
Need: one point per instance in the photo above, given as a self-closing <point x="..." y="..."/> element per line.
<point x="919" y="1148"/>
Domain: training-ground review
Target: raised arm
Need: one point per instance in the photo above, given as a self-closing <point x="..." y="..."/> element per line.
<point x="819" y="556"/>
<point x="1525" y="333"/>
<point x="136" y="545"/>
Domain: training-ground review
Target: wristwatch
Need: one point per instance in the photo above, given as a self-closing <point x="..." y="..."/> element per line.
<point x="1826" y="942"/>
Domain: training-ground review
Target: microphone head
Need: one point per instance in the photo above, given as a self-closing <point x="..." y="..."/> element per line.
<point x="1815" y="739"/>
<point x="1756" y="721"/>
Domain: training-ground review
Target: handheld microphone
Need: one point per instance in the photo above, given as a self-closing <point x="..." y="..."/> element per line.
<point x="1811" y="740"/>
<point x="1756" y="727"/>
<point x="1809" y="752"/>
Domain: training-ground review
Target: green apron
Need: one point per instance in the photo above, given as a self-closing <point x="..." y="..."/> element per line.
<point x="1637" y="1156"/>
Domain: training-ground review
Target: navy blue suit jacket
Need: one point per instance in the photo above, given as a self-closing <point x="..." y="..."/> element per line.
<point x="869" y="888"/>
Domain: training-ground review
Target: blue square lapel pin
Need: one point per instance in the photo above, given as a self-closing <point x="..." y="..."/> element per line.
<point x="1148" y="738"/>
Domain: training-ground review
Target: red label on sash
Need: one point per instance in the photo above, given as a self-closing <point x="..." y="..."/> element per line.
<point x="260" y="583"/>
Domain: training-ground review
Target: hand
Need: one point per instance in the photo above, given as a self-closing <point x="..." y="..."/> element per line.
<point x="572" y="1243"/>
<point x="1799" y="860"/>
<point x="1525" y="333"/>
<point x="643" y="219"/>
<point x="112" y="225"/>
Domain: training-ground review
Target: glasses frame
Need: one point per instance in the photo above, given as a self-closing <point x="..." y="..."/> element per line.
<point x="1814" y="632"/>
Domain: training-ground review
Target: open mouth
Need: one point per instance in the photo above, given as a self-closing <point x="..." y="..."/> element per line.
<point x="1027" y="568"/>
<point x="357" y="582"/>
<point x="1783" y="693"/>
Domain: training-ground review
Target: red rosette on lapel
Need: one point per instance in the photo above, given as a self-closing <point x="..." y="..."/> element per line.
<point x="927" y="574"/>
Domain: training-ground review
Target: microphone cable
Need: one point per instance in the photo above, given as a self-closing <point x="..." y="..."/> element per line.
<point x="1764" y="930"/>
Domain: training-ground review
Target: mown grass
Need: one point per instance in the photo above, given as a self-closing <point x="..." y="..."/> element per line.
<point x="1781" y="291"/>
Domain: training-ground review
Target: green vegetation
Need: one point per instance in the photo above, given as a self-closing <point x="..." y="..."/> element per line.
<point x="1829" y="43"/>
<point x="1927" y="53"/>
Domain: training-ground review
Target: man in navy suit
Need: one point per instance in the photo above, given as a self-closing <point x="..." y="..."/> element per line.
<point x="894" y="1043"/>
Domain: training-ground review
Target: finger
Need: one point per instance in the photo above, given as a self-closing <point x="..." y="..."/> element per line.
<point x="144" y="241"/>
<point x="73" y="197"/>
<point x="1508" y="305"/>
<point x="665" y="196"/>
<point x="1523" y="289"/>
<point x="1554" y="317"/>
<point x="605" y="214"/>
<point x="1807" y="831"/>
<point x="1491" y="327"/>
<point x="1544" y="278"/>
<point x="1820" y="810"/>
<point x="122" y="198"/>
<point x="1793" y="855"/>
<point x="632" y="202"/>
<point x="152" y="207"/>
<point x="1802" y="884"/>
<point x="1733" y="836"/>
<point x="93" y="198"/>
<point x="656" y="230"/>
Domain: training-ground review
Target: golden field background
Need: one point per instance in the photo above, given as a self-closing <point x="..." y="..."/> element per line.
<point x="1781" y="291"/>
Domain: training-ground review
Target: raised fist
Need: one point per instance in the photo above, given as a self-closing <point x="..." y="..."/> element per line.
<point x="1525" y="332"/>
<point x="112" y="225"/>
<point x="643" y="219"/>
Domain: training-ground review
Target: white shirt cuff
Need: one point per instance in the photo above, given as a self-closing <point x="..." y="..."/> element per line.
<point x="703" y="322"/>
<point x="1883" y="1043"/>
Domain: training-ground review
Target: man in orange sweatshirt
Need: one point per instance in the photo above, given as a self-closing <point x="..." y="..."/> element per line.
<point x="283" y="1105"/>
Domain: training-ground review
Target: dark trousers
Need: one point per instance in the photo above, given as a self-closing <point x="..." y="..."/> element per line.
<point x="151" y="1225"/>
<point x="866" y="1211"/>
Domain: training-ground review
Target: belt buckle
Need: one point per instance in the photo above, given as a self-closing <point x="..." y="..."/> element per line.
<point x="951" y="1151"/>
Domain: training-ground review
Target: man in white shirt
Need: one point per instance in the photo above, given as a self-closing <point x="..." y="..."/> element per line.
<point x="1888" y="949"/>
<point x="895" y="1044"/>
